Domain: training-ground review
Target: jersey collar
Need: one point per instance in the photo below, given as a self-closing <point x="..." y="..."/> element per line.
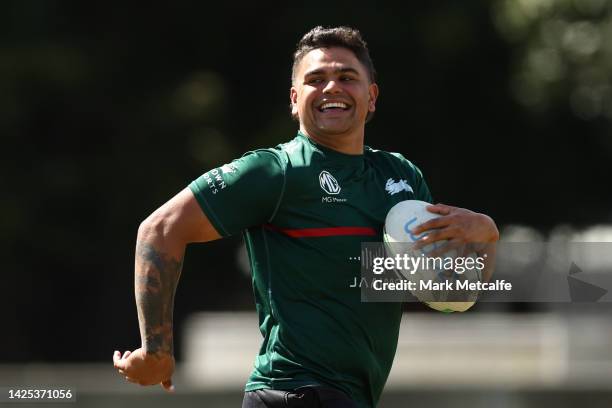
<point x="334" y="155"/>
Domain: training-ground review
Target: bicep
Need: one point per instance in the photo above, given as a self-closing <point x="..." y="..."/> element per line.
<point x="184" y="219"/>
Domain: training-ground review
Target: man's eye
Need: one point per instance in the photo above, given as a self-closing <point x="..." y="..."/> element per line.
<point x="314" y="81"/>
<point x="346" y="79"/>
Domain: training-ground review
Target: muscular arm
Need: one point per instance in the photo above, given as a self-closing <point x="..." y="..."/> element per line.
<point x="160" y="248"/>
<point x="156" y="278"/>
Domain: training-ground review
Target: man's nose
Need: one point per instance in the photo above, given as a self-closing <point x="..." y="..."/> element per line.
<point x="332" y="86"/>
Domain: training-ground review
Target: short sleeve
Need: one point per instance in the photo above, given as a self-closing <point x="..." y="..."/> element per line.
<point x="243" y="193"/>
<point x="421" y="190"/>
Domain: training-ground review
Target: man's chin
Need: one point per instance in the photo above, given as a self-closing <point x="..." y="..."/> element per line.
<point x="334" y="128"/>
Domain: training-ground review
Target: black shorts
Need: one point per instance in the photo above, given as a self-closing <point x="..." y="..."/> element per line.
<point x="310" y="396"/>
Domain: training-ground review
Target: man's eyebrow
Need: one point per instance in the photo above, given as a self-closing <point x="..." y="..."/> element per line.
<point x="320" y="71"/>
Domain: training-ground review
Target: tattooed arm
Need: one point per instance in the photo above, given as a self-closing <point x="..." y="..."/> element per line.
<point x="160" y="248"/>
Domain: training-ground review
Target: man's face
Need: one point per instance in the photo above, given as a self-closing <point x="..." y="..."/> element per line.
<point x="331" y="93"/>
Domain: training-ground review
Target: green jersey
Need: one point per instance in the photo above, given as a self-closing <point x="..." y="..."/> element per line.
<point x="304" y="210"/>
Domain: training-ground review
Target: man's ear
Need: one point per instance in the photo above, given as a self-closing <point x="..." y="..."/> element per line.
<point x="373" y="91"/>
<point x="293" y="99"/>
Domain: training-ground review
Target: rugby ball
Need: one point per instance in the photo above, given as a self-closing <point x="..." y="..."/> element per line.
<point x="399" y="240"/>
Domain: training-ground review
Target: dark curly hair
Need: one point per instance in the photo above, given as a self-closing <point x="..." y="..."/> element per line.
<point x="345" y="37"/>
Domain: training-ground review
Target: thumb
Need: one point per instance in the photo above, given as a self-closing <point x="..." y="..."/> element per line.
<point x="167" y="385"/>
<point x="117" y="361"/>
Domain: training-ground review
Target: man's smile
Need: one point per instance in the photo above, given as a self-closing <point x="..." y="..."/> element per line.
<point x="333" y="106"/>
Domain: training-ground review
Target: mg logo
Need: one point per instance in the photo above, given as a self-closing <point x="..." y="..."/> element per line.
<point x="328" y="183"/>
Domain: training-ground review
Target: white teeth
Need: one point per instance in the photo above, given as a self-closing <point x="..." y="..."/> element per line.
<point x="334" y="105"/>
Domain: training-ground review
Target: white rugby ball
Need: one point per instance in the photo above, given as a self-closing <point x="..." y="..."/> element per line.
<point x="399" y="239"/>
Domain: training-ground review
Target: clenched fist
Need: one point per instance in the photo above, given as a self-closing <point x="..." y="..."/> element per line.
<point x="146" y="369"/>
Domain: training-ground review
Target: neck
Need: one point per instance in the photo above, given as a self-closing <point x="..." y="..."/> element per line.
<point x="349" y="143"/>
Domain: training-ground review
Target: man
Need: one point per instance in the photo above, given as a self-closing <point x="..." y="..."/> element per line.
<point x="304" y="208"/>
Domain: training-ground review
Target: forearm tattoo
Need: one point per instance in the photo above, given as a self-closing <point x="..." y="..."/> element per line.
<point x="157" y="275"/>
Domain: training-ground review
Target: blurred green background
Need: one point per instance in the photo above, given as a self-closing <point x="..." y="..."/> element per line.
<point x="109" y="109"/>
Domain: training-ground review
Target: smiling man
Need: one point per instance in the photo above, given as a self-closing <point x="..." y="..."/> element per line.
<point x="311" y="203"/>
<point x="333" y="94"/>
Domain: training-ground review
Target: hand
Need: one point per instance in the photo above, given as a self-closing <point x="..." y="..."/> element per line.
<point x="146" y="369"/>
<point x="459" y="227"/>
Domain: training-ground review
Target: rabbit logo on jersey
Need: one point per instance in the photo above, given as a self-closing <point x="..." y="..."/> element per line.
<point x="394" y="187"/>
<point x="328" y="183"/>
